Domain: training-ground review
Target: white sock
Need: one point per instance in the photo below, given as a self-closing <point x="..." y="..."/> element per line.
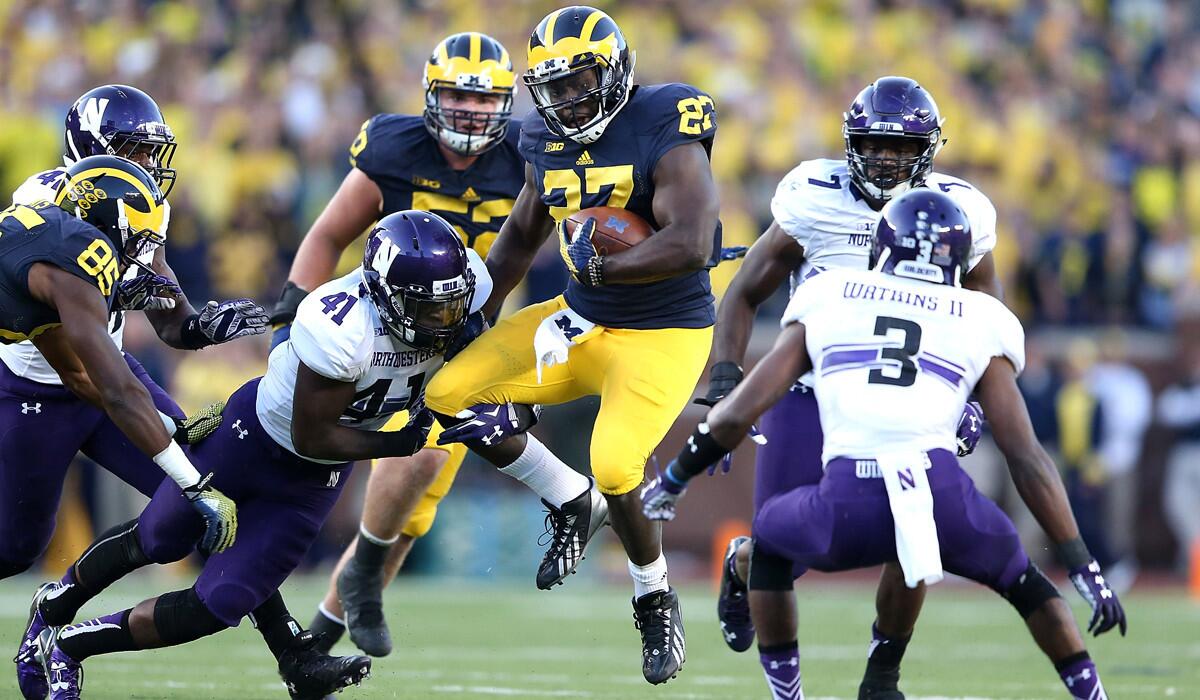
<point x="330" y="616"/>
<point x="547" y="475"/>
<point x="649" y="578"/>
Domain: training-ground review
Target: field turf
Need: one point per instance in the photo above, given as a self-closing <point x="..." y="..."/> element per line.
<point x="471" y="640"/>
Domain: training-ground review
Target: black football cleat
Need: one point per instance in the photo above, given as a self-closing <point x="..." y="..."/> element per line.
<point x="733" y="603"/>
<point x="361" y="593"/>
<point x="570" y="528"/>
<point x="311" y="675"/>
<point x="880" y="684"/>
<point x="657" y="616"/>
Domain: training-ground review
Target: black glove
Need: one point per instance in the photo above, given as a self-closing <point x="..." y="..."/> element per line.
<point x="289" y="300"/>
<point x="199" y="425"/>
<point x="474" y="327"/>
<point x="410" y="439"/>
<point x="723" y="377"/>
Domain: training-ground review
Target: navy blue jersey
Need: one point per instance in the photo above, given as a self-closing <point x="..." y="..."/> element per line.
<point x="400" y="155"/>
<point x="41" y="232"/>
<point x="618" y="171"/>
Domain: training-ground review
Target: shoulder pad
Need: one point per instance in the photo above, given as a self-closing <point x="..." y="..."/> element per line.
<point x="332" y="333"/>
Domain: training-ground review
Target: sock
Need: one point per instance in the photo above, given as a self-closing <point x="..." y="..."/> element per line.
<point x="649" y="578"/>
<point x="1079" y="674"/>
<point x="371" y="551"/>
<point x="325" y="622"/>
<point x="277" y="627"/>
<point x="546" y="474"/>
<point x="781" y="665"/>
<point x="103" y="635"/>
<point x="883" y="659"/>
<point x="115" y="553"/>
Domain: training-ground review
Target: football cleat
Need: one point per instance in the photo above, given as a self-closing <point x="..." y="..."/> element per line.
<point x="570" y="528"/>
<point x="361" y="593"/>
<point x="65" y="675"/>
<point x="311" y="675"/>
<point x="657" y="616"/>
<point x="733" y="602"/>
<point x="880" y="690"/>
<point x="31" y="655"/>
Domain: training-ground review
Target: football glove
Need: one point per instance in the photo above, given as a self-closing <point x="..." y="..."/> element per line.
<point x="147" y="293"/>
<point x="970" y="428"/>
<point x="660" y="496"/>
<point x="1106" y="608"/>
<point x="491" y="424"/>
<point x="412" y="437"/>
<point x="219" y="513"/>
<point x="733" y="252"/>
<point x="221" y="322"/>
<point x="722" y="378"/>
<point x="285" y="312"/>
<point x="585" y="264"/>
<point x="199" y="425"/>
<point x="474" y="327"/>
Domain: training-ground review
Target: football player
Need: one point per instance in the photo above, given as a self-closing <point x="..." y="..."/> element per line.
<point x="361" y="349"/>
<point x="895" y="352"/>
<point x="38" y="442"/>
<point x="824" y="213"/>
<point x="635" y="326"/>
<point x="459" y="159"/>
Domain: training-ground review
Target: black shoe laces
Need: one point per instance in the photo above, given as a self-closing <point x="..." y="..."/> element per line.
<point x="655" y="627"/>
<point x="558" y="531"/>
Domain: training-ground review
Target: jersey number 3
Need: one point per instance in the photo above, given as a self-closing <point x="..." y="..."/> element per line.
<point x="910" y="345"/>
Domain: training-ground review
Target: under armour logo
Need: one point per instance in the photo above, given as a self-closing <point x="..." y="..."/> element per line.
<point x="974" y="422"/>
<point x="333" y="480"/>
<point x="776" y="665"/>
<point x="237" y="425"/>
<point x="27" y="408"/>
<point x="496" y="432"/>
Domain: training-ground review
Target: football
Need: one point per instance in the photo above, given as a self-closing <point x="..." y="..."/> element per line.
<point x="616" y="228"/>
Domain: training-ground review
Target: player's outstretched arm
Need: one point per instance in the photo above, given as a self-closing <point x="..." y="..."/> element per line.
<point x="687" y="206"/>
<point x="770" y="260"/>
<point x="523" y="233"/>
<point x="318" y="405"/>
<point x="182" y="327"/>
<point x="1041" y="488"/>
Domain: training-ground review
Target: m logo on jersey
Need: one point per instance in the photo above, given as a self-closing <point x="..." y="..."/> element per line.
<point x="91" y="115"/>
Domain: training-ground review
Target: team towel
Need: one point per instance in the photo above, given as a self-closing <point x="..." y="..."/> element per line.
<point x="911" y="501"/>
<point x="555" y="336"/>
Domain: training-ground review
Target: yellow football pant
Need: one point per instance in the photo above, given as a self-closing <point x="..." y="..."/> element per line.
<point x="644" y="379"/>
<point x="421" y="520"/>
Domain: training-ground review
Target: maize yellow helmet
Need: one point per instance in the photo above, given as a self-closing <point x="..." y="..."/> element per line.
<point x="121" y="199"/>
<point x="580" y="71"/>
<point x="469" y="62"/>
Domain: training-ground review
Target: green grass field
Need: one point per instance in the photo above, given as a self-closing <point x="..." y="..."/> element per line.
<point x="480" y="641"/>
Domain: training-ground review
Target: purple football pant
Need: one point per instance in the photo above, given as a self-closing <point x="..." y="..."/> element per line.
<point x="845" y="522"/>
<point x="42" y="427"/>
<point x="792" y="455"/>
<point x="282" y="502"/>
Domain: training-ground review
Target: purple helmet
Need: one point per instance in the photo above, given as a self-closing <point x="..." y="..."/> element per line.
<point x="923" y="235"/>
<point x="416" y="270"/>
<point x="119" y="120"/>
<point x="892" y="108"/>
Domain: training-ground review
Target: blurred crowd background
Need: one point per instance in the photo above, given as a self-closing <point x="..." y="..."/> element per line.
<point x="1081" y="120"/>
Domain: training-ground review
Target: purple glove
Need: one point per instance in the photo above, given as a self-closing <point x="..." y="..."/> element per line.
<point x="970" y="428"/>
<point x="1106" y="609"/>
<point x="491" y="424"/>
<point x="661" y="495"/>
<point x="147" y="293"/>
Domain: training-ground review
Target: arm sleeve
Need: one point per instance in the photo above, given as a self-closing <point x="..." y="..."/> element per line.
<point x="681" y="114"/>
<point x="339" y="352"/>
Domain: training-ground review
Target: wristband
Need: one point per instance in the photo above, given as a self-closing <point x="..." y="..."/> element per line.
<point x="168" y="423"/>
<point x="175" y="463"/>
<point x="700" y="452"/>
<point x="1074" y="554"/>
<point x="190" y="335"/>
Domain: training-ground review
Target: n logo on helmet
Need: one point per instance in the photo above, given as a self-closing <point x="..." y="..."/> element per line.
<point x="91" y="115"/>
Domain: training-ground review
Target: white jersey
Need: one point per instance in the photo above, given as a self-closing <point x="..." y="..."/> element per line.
<point x="338" y="334"/>
<point x="895" y="359"/>
<point x="816" y="205"/>
<point x="23" y="359"/>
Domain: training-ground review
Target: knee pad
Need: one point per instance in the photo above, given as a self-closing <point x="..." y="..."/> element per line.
<point x="768" y="572"/>
<point x="180" y="617"/>
<point x="1030" y="591"/>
